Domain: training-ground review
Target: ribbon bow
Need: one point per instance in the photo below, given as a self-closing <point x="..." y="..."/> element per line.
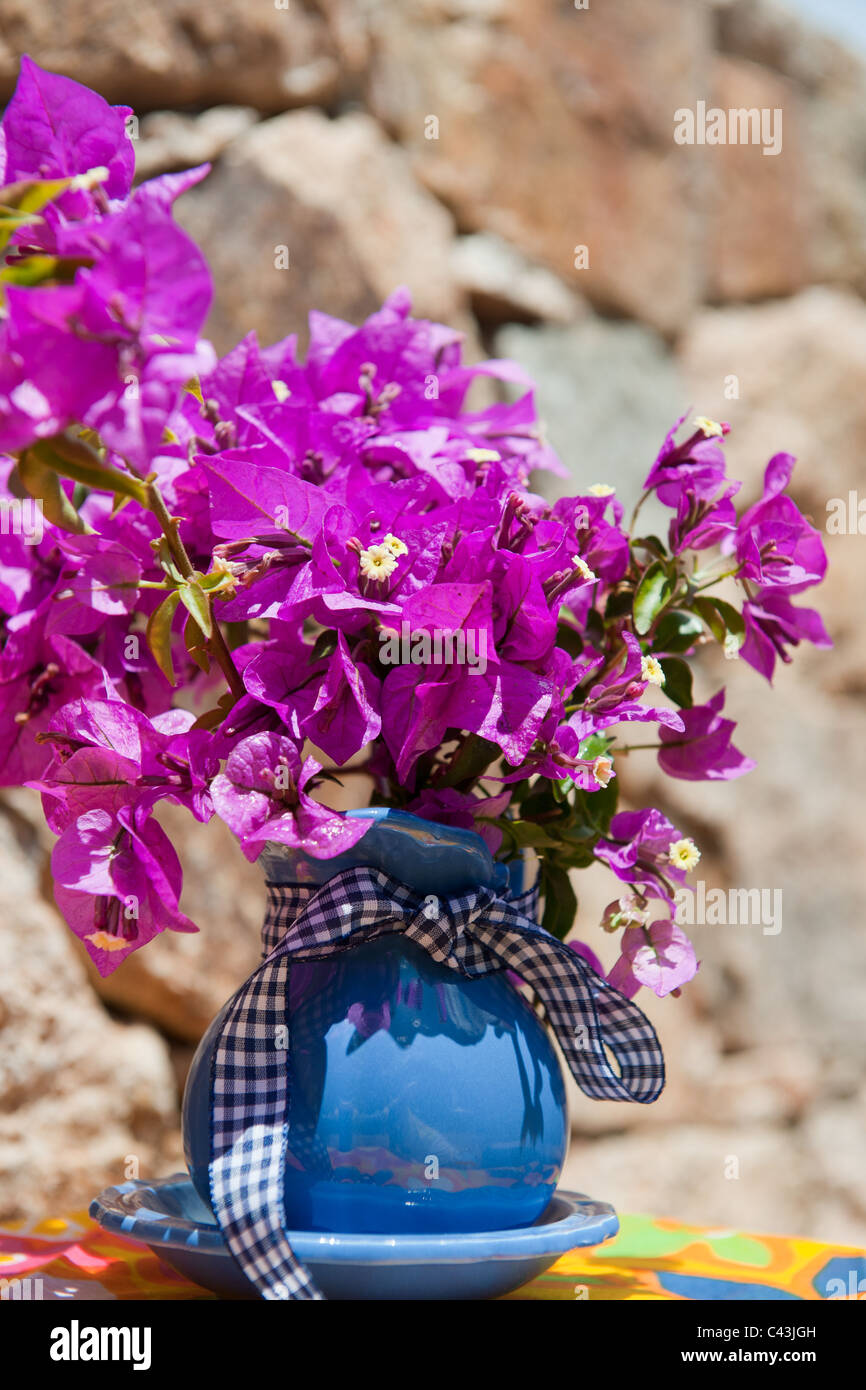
<point x="473" y="934"/>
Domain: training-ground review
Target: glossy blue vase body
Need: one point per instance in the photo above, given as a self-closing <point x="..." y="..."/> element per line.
<point x="421" y="1101"/>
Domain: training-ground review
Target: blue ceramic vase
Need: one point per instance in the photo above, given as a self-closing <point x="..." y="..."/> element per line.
<point x="425" y="1102"/>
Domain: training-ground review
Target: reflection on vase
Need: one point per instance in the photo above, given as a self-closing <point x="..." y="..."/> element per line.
<point x="385" y="1141"/>
<point x="421" y="1100"/>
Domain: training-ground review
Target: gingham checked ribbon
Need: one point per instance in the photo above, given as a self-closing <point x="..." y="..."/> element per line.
<point x="473" y="934"/>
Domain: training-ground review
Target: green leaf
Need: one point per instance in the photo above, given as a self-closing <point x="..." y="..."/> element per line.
<point x="652" y="594"/>
<point x="539" y="803"/>
<point x="677" y="631"/>
<point x="21" y="202"/>
<point x="597" y="809"/>
<point x="73" y="459"/>
<point x="528" y="834"/>
<point x="594" y="627"/>
<point x="594" y="746"/>
<point x="619" y="602"/>
<point x="733" y="620"/>
<point x="711" y="617"/>
<point x="11" y="219"/>
<point x="577" y="854"/>
<point x="561" y="789"/>
<point x="44" y="485"/>
<point x="520" y="792"/>
<point x="569" y="640"/>
<point x="560" y="900"/>
<point x="30" y="270"/>
<point x="217" y="582"/>
<point x="678" y="681"/>
<point x="651" y="543"/>
<point x="158" y="634"/>
<point x="236" y="634"/>
<point x="723" y="620"/>
<point x="212" y="718"/>
<point x="608" y="798"/>
<point x="474" y="757"/>
<point x="324" y="646"/>
<point x="163" y="554"/>
<point x="32" y="195"/>
<point x="195" y="644"/>
<point x="118" y="503"/>
<point x="196" y="602"/>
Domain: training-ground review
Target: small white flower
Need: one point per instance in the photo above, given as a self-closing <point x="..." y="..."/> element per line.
<point x="583" y="568"/>
<point x="82" y="183"/>
<point x="711" y="428"/>
<point x="601" y="490"/>
<point x="477" y="455"/>
<point x="395" y="545"/>
<point x="632" y="911"/>
<point x="650" y="670"/>
<point x="602" y="769"/>
<point x="280" y="390"/>
<point x="627" y="912"/>
<point x="378" y="562"/>
<point x="731" y="647"/>
<point x="684" y="854"/>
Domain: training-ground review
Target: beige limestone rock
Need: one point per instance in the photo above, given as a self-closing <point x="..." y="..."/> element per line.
<point x="340" y="203"/>
<point x="159" y="53"/>
<point x="85" y="1101"/>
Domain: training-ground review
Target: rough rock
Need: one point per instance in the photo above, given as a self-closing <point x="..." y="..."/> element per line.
<point x="799" y="366"/>
<point x="168" y="140"/>
<point x="84" y="1101"/>
<point x="770" y="33"/>
<point x="342" y="201"/>
<point x="759" y="208"/>
<point x="177" y="53"/>
<point x="790" y="827"/>
<point x="754" y="1048"/>
<point x="722" y="1069"/>
<point x="504" y="286"/>
<point x="829" y="91"/>
<point x="607" y="392"/>
<point x="794" y="823"/>
<point x="835" y="1139"/>
<point x="553" y="128"/>
<point x="530" y="130"/>
<point x="181" y="981"/>
<point x="748" y="1177"/>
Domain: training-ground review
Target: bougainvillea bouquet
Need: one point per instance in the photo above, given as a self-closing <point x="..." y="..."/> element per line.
<point x="225" y="581"/>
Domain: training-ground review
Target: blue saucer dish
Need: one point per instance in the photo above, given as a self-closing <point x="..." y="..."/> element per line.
<point x="170" y="1217"/>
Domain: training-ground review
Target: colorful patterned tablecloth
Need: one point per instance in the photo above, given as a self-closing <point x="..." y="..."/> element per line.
<point x="69" y="1257"/>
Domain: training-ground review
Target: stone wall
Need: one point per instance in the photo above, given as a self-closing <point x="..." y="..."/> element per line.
<point x="469" y="149"/>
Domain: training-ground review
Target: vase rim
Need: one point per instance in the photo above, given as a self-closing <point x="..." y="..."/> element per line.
<point x="422" y="853"/>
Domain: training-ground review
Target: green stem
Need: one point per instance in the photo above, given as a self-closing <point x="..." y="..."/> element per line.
<point x="638" y="506"/>
<point x="728" y="574"/>
<point x="636" y="747"/>
<point x="216" y="643"/>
